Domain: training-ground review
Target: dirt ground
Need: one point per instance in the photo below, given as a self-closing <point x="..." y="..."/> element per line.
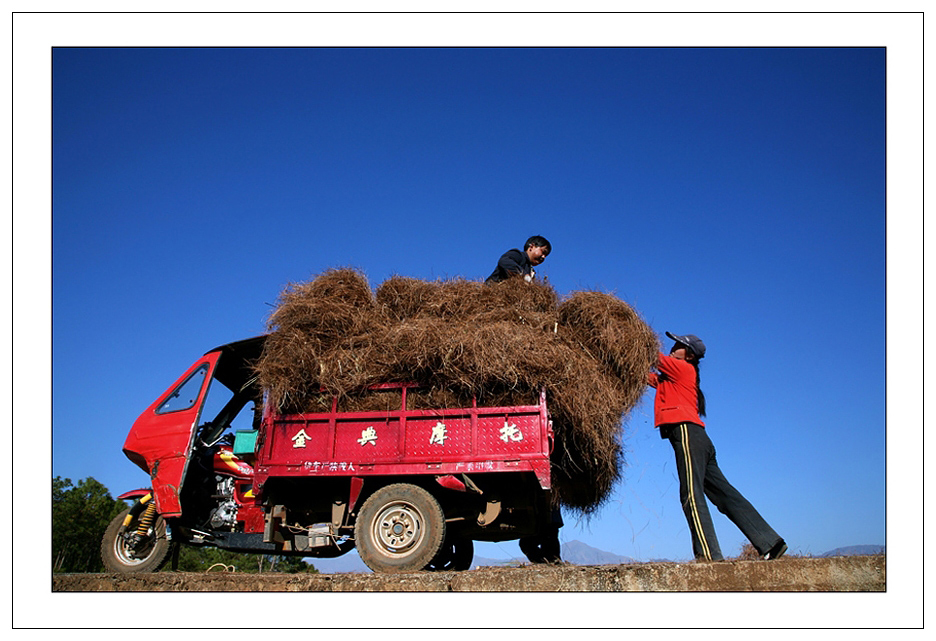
<point x="836" y="574"/>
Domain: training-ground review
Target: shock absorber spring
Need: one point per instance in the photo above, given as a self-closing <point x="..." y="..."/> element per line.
<point x="146" y="520"/>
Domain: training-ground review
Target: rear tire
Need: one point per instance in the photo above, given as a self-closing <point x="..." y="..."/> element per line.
<point x="120" y="552"/>
<point x="400" y="528"/>
<point x="455" y="555"/>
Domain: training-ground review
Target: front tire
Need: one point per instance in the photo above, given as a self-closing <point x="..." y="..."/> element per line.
<point x="400" y="528"/>
<point x="123" y="551"/>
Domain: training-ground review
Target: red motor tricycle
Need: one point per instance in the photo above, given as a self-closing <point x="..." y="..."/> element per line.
<point x="411" y="489"/>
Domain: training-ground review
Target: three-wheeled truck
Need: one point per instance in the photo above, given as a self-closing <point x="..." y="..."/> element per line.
<point x="411" y="489"/>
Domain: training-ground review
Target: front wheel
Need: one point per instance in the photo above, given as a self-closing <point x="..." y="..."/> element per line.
<point x="400" y="528"/>
<point x="127" y="547"/>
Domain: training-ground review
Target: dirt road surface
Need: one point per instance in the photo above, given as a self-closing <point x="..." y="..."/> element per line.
<point x="836" y="574"/>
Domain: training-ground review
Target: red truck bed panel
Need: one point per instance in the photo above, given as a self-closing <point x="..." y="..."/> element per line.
<point x="476" y="439"/>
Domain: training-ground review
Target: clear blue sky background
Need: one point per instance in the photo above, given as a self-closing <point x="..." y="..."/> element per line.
<point x="737" y="194"/>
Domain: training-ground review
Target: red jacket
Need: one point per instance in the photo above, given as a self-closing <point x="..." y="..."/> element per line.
<point x="676" y="397"/>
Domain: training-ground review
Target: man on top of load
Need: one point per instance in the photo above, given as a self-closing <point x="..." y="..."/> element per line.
<point x="514" y="261"/>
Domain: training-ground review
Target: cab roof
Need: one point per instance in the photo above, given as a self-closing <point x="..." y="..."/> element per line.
<point x="235" y="367"/>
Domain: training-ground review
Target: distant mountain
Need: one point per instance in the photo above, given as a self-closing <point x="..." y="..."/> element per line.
<point x="574" y="552"/>
<point x="581" y="554"/>
<point x="855" y="550"/>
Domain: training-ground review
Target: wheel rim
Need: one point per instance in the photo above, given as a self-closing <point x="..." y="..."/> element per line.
<point x="398" y="528"/>
<point x="134" y="554"/>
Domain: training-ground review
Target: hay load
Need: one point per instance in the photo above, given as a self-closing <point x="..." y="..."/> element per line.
<point x="460" y="338"/>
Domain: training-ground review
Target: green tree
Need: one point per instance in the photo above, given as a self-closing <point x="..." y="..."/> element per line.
<point x="80" y="514"/>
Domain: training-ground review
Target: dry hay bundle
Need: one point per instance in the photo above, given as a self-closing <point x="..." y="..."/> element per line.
<point x="327" y="333"/>
<point x="610" y="331"/>
<point x="514" y="300"/>
<point x="461" y="338"/>
<point x="402" y="298"/>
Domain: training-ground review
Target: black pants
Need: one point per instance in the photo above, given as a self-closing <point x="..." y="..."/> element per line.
<point x="700" y="477"/>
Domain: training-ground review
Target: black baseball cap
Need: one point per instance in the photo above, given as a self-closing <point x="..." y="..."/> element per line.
<point x="691" y="341"/>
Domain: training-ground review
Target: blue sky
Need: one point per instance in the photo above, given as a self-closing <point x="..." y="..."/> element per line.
<point x="734" y="193"/>
<point x="737" y="194"/>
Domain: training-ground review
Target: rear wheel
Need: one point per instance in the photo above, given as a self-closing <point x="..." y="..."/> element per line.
<point x="454" y="555"/>
<point x="400" y="528"/>
<point x="125" y="549"/>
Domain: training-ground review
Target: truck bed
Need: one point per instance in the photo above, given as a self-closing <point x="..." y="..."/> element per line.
<point x="406" y="442"/>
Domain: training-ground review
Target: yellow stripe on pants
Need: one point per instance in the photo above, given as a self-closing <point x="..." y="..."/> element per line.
<point x="700" y="534"/>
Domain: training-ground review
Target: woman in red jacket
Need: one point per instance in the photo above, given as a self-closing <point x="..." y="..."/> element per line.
<point x="678" y="408"/>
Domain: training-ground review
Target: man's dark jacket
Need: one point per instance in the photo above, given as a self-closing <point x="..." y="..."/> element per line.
<point x="511" y="263"/>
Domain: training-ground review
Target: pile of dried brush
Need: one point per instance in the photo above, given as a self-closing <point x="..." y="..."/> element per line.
<point x="459" y="338"/>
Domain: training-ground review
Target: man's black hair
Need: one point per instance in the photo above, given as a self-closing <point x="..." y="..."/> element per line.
<point x="537" y="241"/>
